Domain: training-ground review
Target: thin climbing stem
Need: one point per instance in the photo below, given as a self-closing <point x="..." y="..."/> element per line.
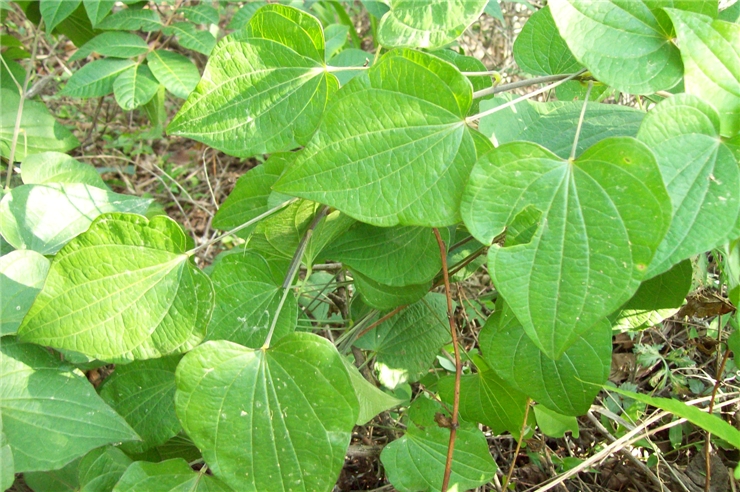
<point x="518" y="84"/>
<point x="516" y="101"/>
<point x="241" y="227"/>
<point x="19" y="114"/>
<point x="507" y="479"/>
<point x="580" y="121"/>
<point x="292" y="271"/>
<point x="458" y="364"/>
<point x="708" y="438"/>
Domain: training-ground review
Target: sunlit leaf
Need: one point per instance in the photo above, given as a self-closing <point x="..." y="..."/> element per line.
<point x="22" y="274"/>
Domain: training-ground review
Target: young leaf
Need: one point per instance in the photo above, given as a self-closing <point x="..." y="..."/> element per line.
<point x="540" y="50"/>
<point x="336" y="38"/>
<point x="248" y="275"/>
<point x="191" y="38"/>
<point x="386" y="297"/>
<point x="135" y="87"/>
<point x="22" y="274"/>
<point x="143" y="393"/>
<point x="168" y="476"/>
<point x="431" y="24"/>
<point x="625" y="44"/>
<point x="372" y="400"/>
<point x="553" y="424"/>
<point x="101" y="468"/>
<point x="249" y="197"/>
<point x="123" y="290"/>
<point x="406" y="344"/>
<point x="487" y="399"/>
<point x="96" y="78"/>
<point x="46" y="401"/>
<point x="394" y="256"/>
<point x="602" y="218"/>
<point x="553" y="124"/>
<point x="416" y="462"/>
<point x="272" y="76"/>
<point x="351" y="57"/>
<point x="468" y="64"/>
<point x="113" y="43"/>
<point x="97" y="10"/>
<point x="132" y="20"/>
<point x="55" y="11"/>
<point x="55" y="167"/>
<point x="565" y="385"/>
<point x="284" y="230"/>
<point x="711" y="57"/>
<point x="293" y="403"/>
<point x="383" y="169"/>
<point x="174" y="71"/>
<point x="44" y="217"/>
<point x="700" y="173"/>
<point x="40" y="131"/>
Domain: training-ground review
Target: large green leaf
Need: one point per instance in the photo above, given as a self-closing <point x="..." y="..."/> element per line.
<point x="406" y="344"/>
<point x="700" y="173"/>
<point x="372" y="400"/>
<point x="51" y="413"/>
<point x="135" y="87"/>
<point x="710" y="50"/>
<point x="191" y="38"/>
<point x="407" y="166"/>
<point x="125" y="289"/>
<point x="565" y="385"/>
<point x="22" y="274"/>
<point x="430" y="24"/>
<point x="101" y="468"/>
<point x="143" y="393"/>
<point x="7" y="467"/>
<point x="249" y="197"/>
<point x="540" y="50"/>
<point x="598" y="223"/>
<point x="55" y="11"/>
<point x="39" y="131"/>
<point x="43" y="217"/>
<point x="174" y="71"/>
<point x="487" y="399"/>
<point x="394" y="256"/>
<point x="112" y="43"/>
<point x="248" y="276"/>
<point x="55" y="167"/>
<point x="292" y="407"/>
<point x="173" y="475"/>
<point x="553" y="124"/>
<point x="263" y="90"/>
<point x="64" y="479"/>
<point x="626" y="44"/>
<point x="667" y="290"/>
<point x="416" y="462"/>
<point x="468" y="64"/>
<point x="96" y="79"/>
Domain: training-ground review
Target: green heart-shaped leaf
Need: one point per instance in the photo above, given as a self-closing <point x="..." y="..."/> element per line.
<point x="47" y="401"/>
<point x="601" y="220"/>
<point x="275" y="419"/>
<point x="565" y="385"/>
<point x="173" y="475"/>
<point x="701" y="175"/>
<point x="407" y="166"/>
<point x="429" y="24"/>
<point x="540" y="50"/>
<point x="625" y="44"/>
<point x="711" y="57"/>
<point x="263" y="90"/>
<point x="124" y="289"/>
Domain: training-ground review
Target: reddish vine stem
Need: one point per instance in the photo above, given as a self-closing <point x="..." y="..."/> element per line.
<point x="507" y="479"/>
<point x="384" y="318"/>
<point x="458" y="363"/>
<point x="707" y="442"/>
